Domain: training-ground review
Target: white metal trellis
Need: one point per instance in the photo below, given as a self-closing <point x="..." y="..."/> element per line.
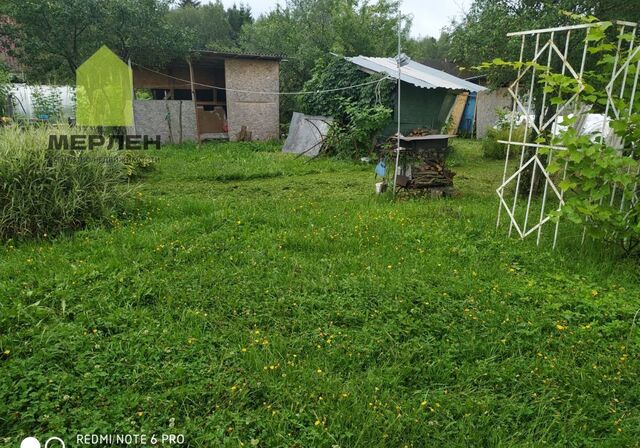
<point x="548" y="46"/>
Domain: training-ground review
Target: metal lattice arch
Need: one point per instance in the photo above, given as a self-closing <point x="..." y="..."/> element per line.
<point x="544" y="47"/>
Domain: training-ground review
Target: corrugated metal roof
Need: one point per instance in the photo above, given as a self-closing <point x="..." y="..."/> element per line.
<point x="414" y="73"/>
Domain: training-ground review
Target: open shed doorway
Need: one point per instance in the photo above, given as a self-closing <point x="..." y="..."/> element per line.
<point x="205" y="78"/>
<point x="210" y="102"/>
<point x="188" y="100"/>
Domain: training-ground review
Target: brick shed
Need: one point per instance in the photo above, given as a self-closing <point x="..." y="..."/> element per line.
<point x="209" y="95"/>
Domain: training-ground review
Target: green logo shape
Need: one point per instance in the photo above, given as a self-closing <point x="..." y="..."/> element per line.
<point x="104" y="91"/>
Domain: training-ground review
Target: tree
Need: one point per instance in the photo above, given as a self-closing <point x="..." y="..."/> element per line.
<point x="430" y="48"/>
<point x="139" y="29"/>
<point x="189" y="3"/>
<point x="306" y="30"/>
<point x="433" y="52"/>
<point x="203" y="27"/>
<point x="237" y="18"/>
<point x="54" y="37"/>
<point x="481" y="35"/>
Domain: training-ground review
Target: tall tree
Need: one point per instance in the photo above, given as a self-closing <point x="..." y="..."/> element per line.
<point x="481" y="35"/>
<point x="428" y="49"/>
<point x="306" y="30"/>
<point x="189" y="3"/>
<point x="54" y="37"/>
<point x="237" y="18"/>
<point x="204" y="27"/>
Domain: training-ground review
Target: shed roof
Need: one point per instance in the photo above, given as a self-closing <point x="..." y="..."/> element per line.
<point x="237" y="55"/>
<point x="414" y="73"/>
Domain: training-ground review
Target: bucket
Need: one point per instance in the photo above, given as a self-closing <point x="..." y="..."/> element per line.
<point x="380" y="187"/>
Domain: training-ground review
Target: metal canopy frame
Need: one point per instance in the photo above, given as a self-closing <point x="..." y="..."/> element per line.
<point x="552" y="45"/>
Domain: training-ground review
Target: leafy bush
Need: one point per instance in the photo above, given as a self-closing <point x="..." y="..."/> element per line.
<point x="5" y="79"/>
<point x="359" y="113"/>
<point x="336" y="73"/>
<point x="601" y="188"/>
<point x="47" y="103"/>
<point x="491" y="149"/>
<point x="47" y="192"/>
<point x="356" y="135"/>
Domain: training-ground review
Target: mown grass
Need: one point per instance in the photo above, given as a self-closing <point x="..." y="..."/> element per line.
<point x="261" y="299"/>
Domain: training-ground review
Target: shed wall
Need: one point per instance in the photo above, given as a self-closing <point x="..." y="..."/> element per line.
<point x="260" y="113"/>
<point x="421" y="108"/>
<point x="150" y="118"/>
<point x="489" y="103"/>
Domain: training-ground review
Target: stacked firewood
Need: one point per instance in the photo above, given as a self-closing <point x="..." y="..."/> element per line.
<point x="421" y="132"/>
<point x="431" y="174"/>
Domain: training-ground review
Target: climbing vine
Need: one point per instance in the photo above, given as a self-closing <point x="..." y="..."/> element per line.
<point x="599" y="176"/>
<point x="359" y="113"/>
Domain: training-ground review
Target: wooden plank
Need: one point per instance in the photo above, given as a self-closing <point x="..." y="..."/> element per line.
<point x="193" y="96"/>
<point x="457" y="111"/>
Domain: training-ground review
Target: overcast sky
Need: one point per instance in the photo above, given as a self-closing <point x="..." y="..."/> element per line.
<point x="429" y="16"/>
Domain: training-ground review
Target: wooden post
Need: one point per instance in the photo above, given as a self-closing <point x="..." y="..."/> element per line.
<point x="193" y="97"/>
<point x="180" y="121"/>
<point x="133" y="99"/>
<point x="168" y="119"/>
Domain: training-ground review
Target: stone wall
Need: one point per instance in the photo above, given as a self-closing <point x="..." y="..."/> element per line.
<point x="150" y="118"/>
<point x="260" y="113"/>
<point x="489" y="102"/>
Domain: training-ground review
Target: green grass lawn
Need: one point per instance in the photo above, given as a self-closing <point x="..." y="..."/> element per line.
<point x="258" y="299"/>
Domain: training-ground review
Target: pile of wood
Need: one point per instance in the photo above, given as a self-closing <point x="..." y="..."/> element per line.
<point x="421" y="132"/>
<point x="431" y="174"/>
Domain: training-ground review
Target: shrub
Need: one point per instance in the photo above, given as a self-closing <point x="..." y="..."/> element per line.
<point x="601" y="187"/>
<point x="334" y="73"/>
<point x="491" y="149"/>
<point x="49" y="191"/>
<point x="5" y="85"/>
<point x="137" y="165"/>
<point x="47" y="103"/>
<point x="356" y="135"/>
<point x="359" y="113"/>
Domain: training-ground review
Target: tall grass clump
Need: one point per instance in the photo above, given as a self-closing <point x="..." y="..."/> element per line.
<point x="491" y="149"/>
<point x="44" y="192"/>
